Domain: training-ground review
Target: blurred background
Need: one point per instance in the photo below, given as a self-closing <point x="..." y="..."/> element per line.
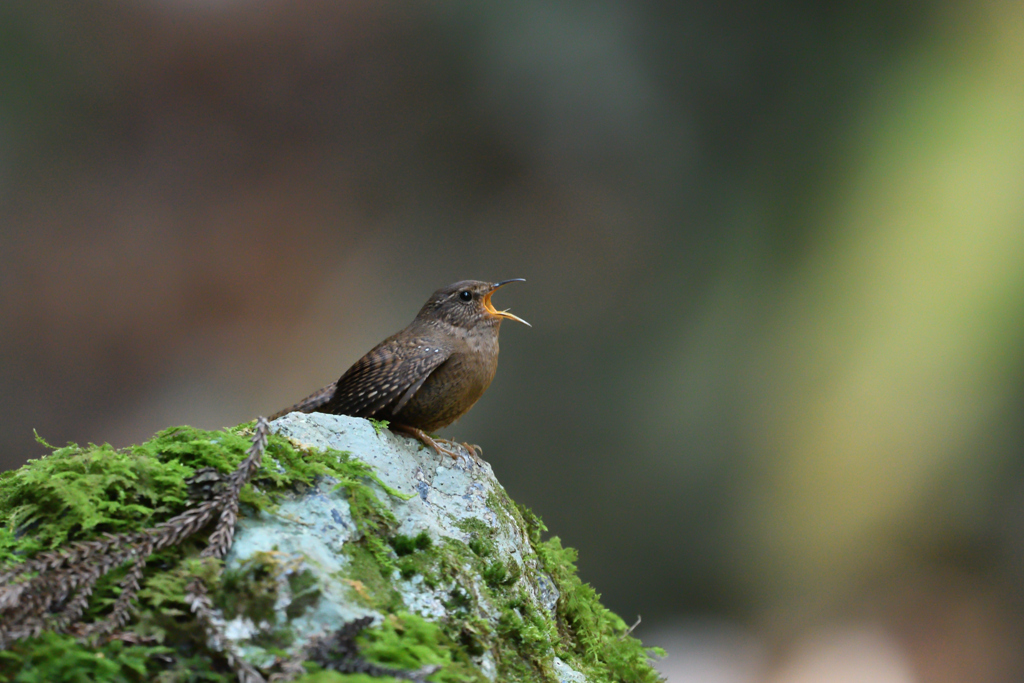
<point x="774" y="253"/>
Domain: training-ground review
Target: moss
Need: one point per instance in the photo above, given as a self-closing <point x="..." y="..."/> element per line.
<point x="161" y="612"/>
<point x="585" y="634"/>
<point x="417" y="555"/>
<point x="368" y="580"/>
<point x="459" y="602"/>
<point x="423" y="564"/>
<point x="405" y="545"/>
<point x="77" y="493"/>
<point x="379" y="425"/>
<point x="481" y="547"/>
<point x="407" y="641"/>
<point x="335" y="677"/>
<point x="481" y="536"/>
<point x="250" y="590"/>
<point x="595" y="641"/>
<point x="52" y="657"/>
<point x="530" y="632"/>
<point x="505" y="511"/>
<point x="305" y="593"/>
<point x="475" y="527"/>
<point x="522" y="641"/>
<point x="81" y="492"/>
<point x="475" y="635"/>
<point x="374" y="520"/>
<point x="497" y="574"/>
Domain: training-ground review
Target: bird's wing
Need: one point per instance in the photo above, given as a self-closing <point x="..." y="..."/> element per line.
<point x="390" y="372"/>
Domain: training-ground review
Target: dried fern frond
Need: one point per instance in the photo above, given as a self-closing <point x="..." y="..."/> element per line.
<point x="199" y="602"/>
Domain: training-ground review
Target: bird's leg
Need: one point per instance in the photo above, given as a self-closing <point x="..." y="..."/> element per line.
<point x="425" y="439"/>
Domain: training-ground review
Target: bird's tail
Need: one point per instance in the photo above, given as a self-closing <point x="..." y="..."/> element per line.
<point x="310" y="403"/>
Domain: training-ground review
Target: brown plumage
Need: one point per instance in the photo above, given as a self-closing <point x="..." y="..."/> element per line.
<point x="429" y="374"/>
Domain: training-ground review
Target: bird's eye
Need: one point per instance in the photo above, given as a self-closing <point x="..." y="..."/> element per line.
<point x="466" y="295"/>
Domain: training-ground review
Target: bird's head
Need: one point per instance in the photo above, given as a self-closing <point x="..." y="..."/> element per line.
<point x="467" y="304"/>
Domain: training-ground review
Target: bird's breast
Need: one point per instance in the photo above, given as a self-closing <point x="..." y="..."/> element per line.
<point x="452" y="389"/>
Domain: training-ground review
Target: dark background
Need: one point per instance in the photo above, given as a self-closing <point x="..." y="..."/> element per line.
<point x="774" y="255"/>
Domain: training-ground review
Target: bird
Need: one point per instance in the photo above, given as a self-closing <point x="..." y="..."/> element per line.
<point x="429" y="374"/>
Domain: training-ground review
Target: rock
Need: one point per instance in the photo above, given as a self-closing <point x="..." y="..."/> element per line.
<point x="457" y="504"/>
<point x="356" y="551"/>
<point x="565" y="673"/>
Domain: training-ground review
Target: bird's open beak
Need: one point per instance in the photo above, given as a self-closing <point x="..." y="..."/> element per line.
<point x="489" y="307"/>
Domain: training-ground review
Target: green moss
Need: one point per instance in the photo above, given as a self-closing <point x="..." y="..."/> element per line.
<point x="335" y="677"/>
<point x="305" y="592"/>
<point x="595" y="640"/>
<point x="52" y="658"/>
<point x="250" y="590"/>
<point x="481" y="540"/>
<point x="81" y="492"/>
<point x="405" y="545"/>
<point x="374" y="520"/>
<point x="523" y="640"/>
<point x="417" y="556"/>
<point x="505" y="511"/>
<point x="332" y="677"/>
<point x="497" y="574"/>
<point x="481" y="547"/>
<point x="369" y="582"/>
<point x="459" y="602"/>
<point x="379" y="425"/>
<point x="77" y="493"/>
<point x="475" y="636"/>
<point x="475" y="527"/>
<point x="531" y="632"/>
<point x="407" y="641"/>
<point x="161" y="613"/>
<point x="585" y="634"/>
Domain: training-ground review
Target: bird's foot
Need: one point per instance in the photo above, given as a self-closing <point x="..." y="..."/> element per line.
<point x="450" y="448"/>
<point x="474" y="451"/>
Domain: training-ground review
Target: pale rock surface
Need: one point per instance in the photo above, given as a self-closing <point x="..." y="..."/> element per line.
<point x="309" y="531"/>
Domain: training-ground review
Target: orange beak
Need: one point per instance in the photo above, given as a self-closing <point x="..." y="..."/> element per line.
<point x="489" y="307"/>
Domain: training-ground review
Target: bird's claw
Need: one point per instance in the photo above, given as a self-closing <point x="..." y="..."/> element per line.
<point x="475" y="451"/>
<point x="455" y="449"/>
<point x="450" y="448"/>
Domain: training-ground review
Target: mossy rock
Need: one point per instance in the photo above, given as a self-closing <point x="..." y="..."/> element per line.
<point x="343" y="520"/>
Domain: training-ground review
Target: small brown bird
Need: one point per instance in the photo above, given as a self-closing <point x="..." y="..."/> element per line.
<point x="429" y="374"/>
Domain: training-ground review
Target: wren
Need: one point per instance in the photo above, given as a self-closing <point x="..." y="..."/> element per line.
<point x="428" y="375"/>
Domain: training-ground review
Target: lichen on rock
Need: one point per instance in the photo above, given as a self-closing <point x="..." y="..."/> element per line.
<point x="343" y="521"/>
